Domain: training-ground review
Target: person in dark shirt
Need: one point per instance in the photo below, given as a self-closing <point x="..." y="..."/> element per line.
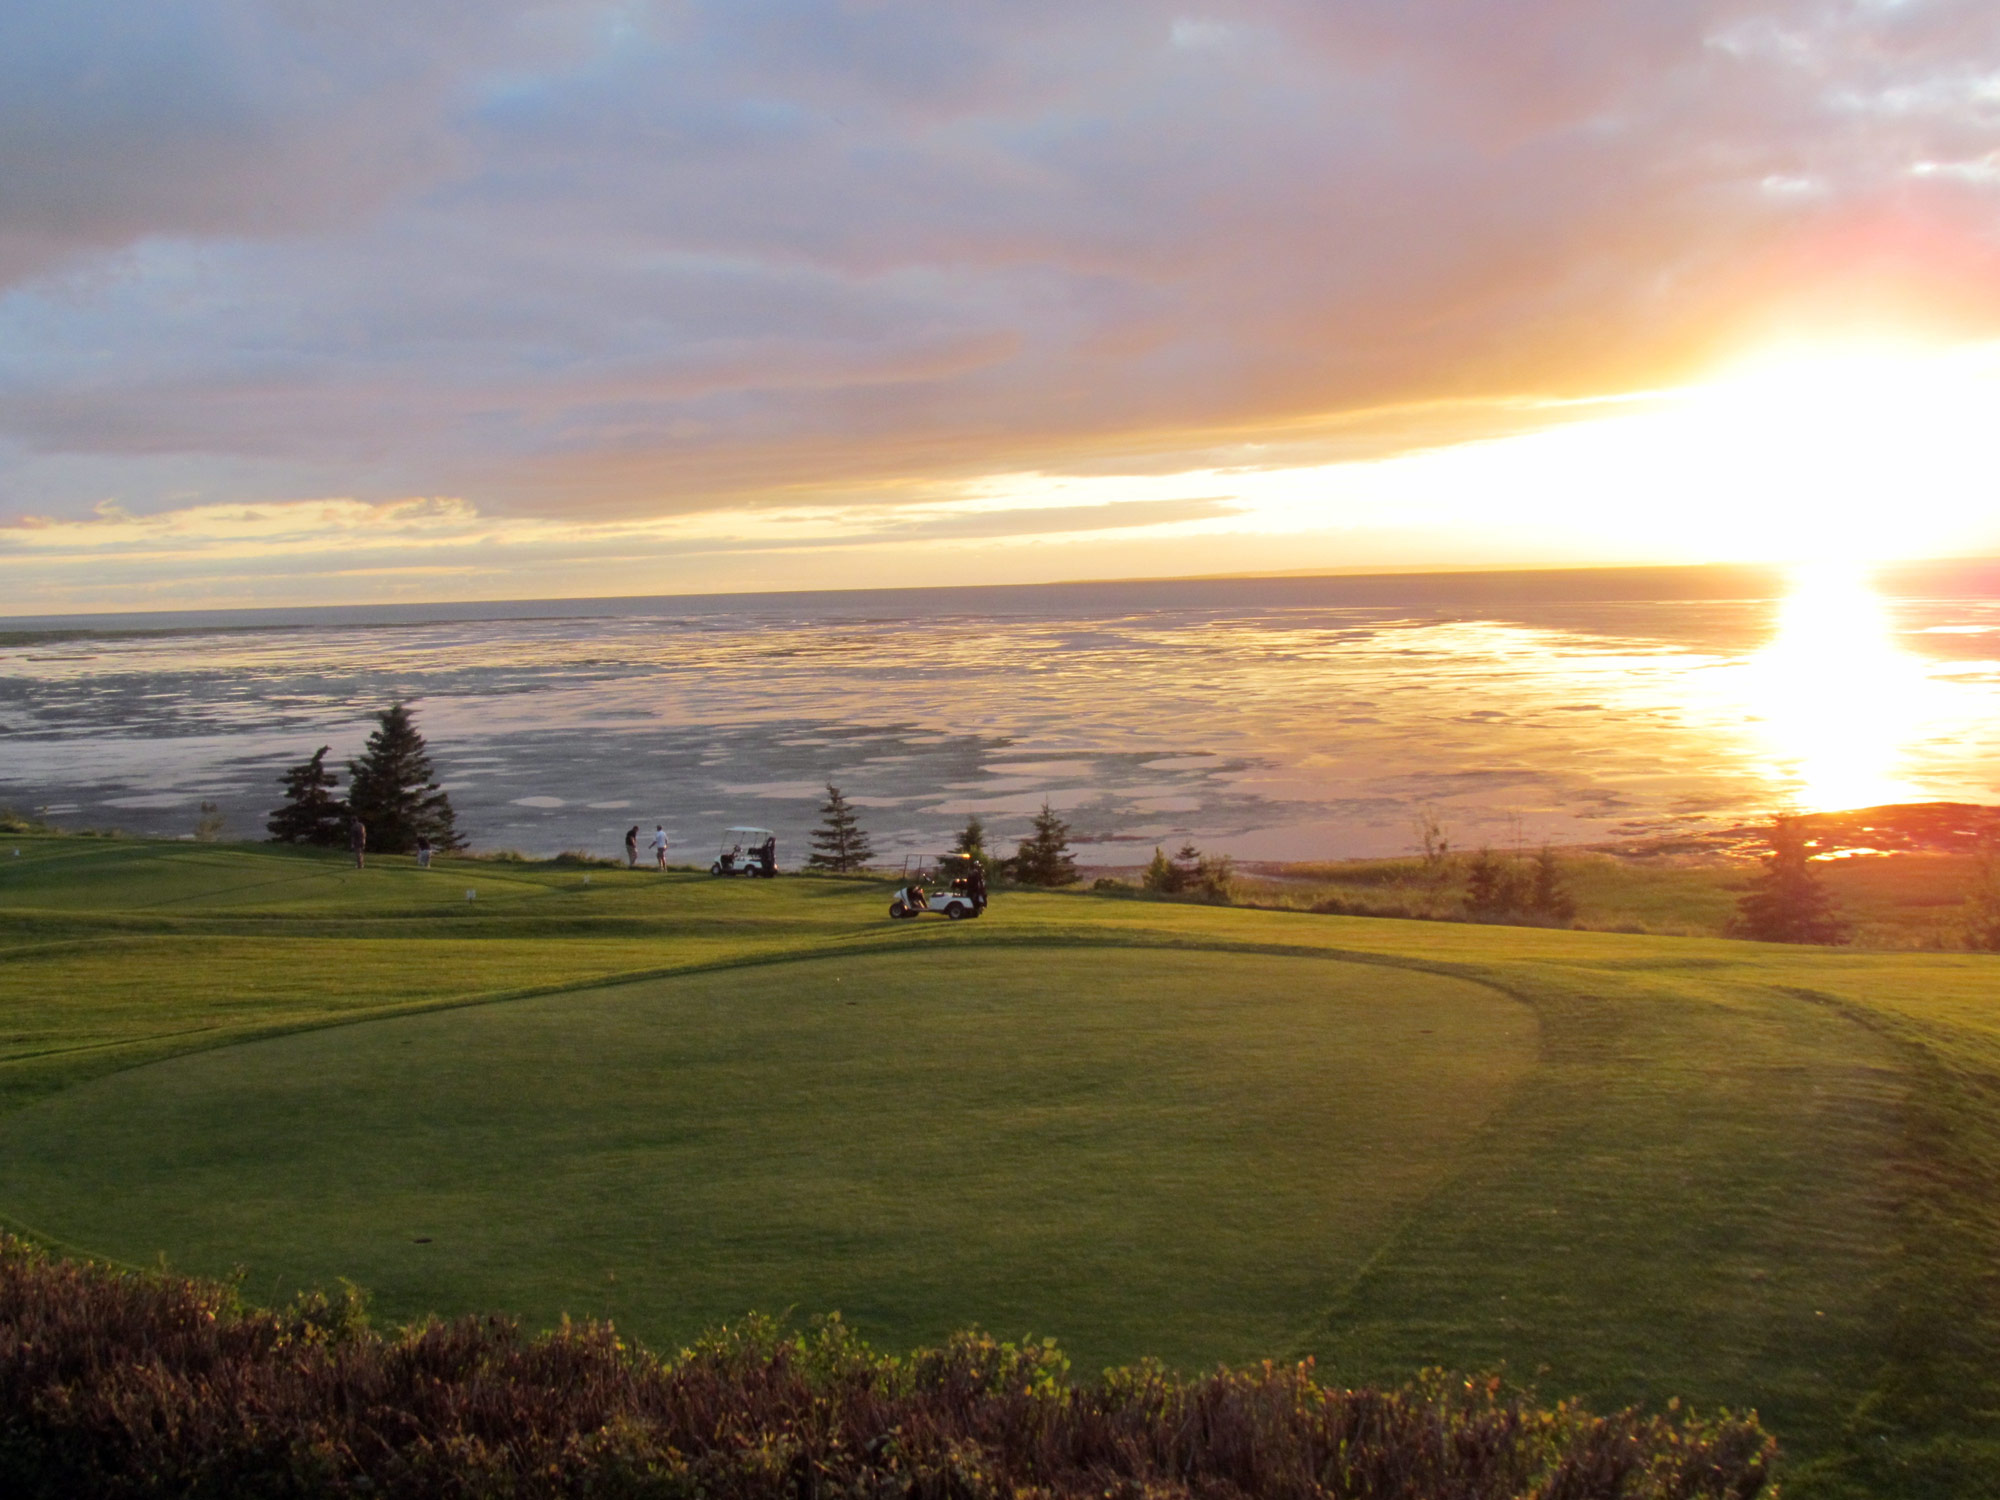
<point x="357" y="840"/>
<point x="632" y="847"/>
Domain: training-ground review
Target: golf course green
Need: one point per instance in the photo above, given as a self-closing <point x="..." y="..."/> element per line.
<point x="1626" y="1167"/>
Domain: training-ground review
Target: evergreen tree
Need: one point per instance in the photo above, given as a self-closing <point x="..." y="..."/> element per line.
<point x="1214" y="877"/>
<point x="1492" y="887"/>
<point x="393" y="790"/>
<point x="1161" y="875"/>
<point x="1548" y="895"/>
<point x="311" y="814"/>
<point x="1789" y="903"/>
<point x="838" y="843"/>
<point x="1982" y="907"/>
<point x="1044" y="857"/>
<point x="972" y="840"/>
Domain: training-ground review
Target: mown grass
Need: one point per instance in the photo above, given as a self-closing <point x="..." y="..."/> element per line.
<point x="1900" y="900"/>
<point x="1167" y="1154"/>
<point x="1734" y="1173"/>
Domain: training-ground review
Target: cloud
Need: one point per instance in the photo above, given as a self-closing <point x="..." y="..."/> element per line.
<point x="595" y="263"/>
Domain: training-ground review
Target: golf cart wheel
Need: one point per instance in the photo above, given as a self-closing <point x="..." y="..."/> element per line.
<point x="957" y="910"/>
<point x="897" y="909"/>
<point x="716" y="868"/>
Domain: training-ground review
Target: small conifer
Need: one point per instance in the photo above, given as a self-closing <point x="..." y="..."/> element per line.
<point x="972" y="840"/>
<point x="1161" y="875"/>
<point x="311" y="814"/>
<point x="1789" y="903"/>
<point x="1214" y="877"/>
<point x="1982" y="906"/>
<point x="1043" y="857"/>
<point x="393" y="790"/>
<point x="1548" y="895"/>
<point x="839" y="844"/>
<point x="1493" y="887"/>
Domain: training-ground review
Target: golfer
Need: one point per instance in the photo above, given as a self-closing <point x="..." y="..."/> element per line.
<point x="660" y="846"/>
<point x="632" y="846"/>
<point x="357" y="839"/>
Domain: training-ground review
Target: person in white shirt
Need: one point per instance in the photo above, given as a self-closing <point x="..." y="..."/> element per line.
<point x="660" y="846"/>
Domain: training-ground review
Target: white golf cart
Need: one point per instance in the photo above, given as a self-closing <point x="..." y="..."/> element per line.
<point x="747" y="851"/>
<point x="954" y="884"/>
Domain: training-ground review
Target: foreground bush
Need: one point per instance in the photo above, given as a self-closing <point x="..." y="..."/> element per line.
<point x="115" y="1384"/>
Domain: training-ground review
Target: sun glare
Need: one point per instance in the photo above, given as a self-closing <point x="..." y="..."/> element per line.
<point x="1837" y="702"/>
<point x="1844" y="456"/>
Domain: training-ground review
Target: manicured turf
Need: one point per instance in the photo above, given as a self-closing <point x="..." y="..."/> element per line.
<point x="1153" y="1153"/>
<point x="1630" y="1167"/>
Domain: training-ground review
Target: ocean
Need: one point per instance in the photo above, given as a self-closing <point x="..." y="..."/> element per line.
<point x="1268" y="718"/>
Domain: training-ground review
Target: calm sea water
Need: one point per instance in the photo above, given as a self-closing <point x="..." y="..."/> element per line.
<point x="1274" y="719"/>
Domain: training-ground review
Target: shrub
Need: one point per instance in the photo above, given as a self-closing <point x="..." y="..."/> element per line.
<point x="124" y="1384"/>
<point x="13" y="820"/>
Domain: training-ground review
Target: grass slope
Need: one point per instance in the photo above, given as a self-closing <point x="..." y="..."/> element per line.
<point x="1912" y="899"/>
<point x="1627" y="1166"/>
<point x="1166" y="1153"/>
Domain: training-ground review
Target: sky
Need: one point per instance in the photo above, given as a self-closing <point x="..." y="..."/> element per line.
<point x="304" y="302"/>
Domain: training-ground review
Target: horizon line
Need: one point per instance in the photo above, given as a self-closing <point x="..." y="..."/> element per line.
<point x="1376" y="574"/>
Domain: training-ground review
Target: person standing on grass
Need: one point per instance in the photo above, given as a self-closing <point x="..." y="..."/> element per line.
<point x="423" y="852"/>
<point x="660" y="846"/>
<point x="357" y="839"/>
<point x="632" y="846"/>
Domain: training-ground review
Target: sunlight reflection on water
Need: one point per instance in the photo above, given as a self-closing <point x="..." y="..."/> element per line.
<point x="1269" y="728"/>
<point x="1841" y="703"/>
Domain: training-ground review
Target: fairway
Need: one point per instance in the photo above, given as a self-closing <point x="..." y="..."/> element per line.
<point x="1143" y="1154"/>
<point x="1625" y="1167"/>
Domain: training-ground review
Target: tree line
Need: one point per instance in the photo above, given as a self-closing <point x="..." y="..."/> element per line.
<point x="841" y="845"/>
<point x="391" y="789"/>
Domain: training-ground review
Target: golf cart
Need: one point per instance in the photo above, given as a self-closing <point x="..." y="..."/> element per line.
<point x="747" y="851"/>
<point x="954" y="884"/>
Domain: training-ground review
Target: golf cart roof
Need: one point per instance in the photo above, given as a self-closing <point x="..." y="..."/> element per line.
<point x="760" y="832"/>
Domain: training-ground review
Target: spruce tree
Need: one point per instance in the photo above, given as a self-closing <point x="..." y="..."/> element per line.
<point x="1044" y="857"/>
<point x="1789" y="903"/>
<point x="311" y="814"/>
<point x="1161" y="874"/>
<point x="393" y="790"/>
<point x="972" y="840"/>
<point x="1982" y="906"/>
<point x="839" y="844"/>
<point x="1549" y="896"/>
<point x="1492" y="887"/>
<point x="1214" y="877"/>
